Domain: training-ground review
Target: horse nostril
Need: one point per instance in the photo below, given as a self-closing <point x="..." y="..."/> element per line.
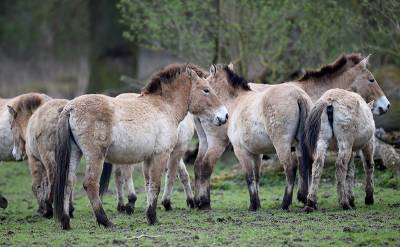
<point x="388" y="106"/>
<point x="227" y="116"/>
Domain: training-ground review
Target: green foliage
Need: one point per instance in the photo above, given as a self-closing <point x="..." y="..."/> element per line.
<point x="273" y="37"/>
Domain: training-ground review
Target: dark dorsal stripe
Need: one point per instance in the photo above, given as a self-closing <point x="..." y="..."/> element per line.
<point x="341" y="64"/>
<point x="236" y="80"/>
<point x="168" y="74"/>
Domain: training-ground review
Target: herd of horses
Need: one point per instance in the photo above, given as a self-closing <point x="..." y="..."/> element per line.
<point x="329" y="108"/>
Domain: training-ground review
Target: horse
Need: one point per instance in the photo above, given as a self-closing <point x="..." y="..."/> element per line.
<point x="123" y="131"/>
<point x="341" y="120"/>
<point x="352" y="73"/>
<point x="260" y="122"/>
<point x="7" y="145"/>
<point x="213" y="141"/>
<point x="123" y="173"/>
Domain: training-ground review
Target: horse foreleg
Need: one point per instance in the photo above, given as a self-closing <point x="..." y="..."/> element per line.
<point x="350" y="181"/>
<point x="250" y="164"/>
<point x="342" y="162"/>
<point x="91" y="185"/>
<point x="185" y="181"/>
<point x="368" y="162"/>
<point x="153" y="169"/>
<point x="317" y="167"/>
<point x="130" y="206"/>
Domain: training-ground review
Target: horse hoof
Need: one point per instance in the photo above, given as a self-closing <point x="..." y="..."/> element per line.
<point x="151" y="215"/>
<point x="301" y="197"/>
<point x="308" y="209"/>
<point x="3" y="202"/>
<point x="311" y="204"/>
<point x="65" y="222"/>
<point x="352" y="202"/>
<point x="190" y="203"/>
<point x="369" y="200"/>
<point x="121" y="208"/>
<point x="346" y="206"/>
<point x="129" y="208"/>
<point x="71" y="211"/>
<point x="167" y="205"/>
<point x="48" y="214"/>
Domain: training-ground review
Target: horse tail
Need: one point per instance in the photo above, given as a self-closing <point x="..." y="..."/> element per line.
<point x="62" y="155"/>
<point x="105" y="178"/>
<point x="306" y="158"/>
<point x="313" y="125"/>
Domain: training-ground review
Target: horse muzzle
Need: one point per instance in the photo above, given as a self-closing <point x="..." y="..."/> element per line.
<point x="381" y="106"/>
<point x="221" y="116"/>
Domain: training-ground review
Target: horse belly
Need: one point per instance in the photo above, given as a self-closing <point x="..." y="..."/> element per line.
<point x="130" y="145"/>
<point x="256" y="140"/>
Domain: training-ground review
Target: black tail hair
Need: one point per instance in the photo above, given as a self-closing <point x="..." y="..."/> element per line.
<point x="313" y="126"/>
<point x="306" y="160"/>
<point x="63" y="154"/>
<point x="105" y="178"/>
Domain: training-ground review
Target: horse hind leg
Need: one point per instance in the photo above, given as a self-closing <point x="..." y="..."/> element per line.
<point x="91" y="185"/>
<point x="185" y="181"/>
<point x="368" y="163"/>
<point x="342" y="161"/>
<point x="350" y="181"/>
<point x="285" y="157"/>
<point x="130" y="206"/>
<point x="250" y="164"/>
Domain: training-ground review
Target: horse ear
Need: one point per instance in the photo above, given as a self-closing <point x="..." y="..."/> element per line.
<point x="191" y="73"/>
<point x="365" y="61"/>
<point x="213" y="69"/>
<point x="12" y="111"/>
<point x="230" y="66"/>
<point x="371" y="104"/>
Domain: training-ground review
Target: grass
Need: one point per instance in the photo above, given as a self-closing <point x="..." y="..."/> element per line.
<point x="228" y="223"/>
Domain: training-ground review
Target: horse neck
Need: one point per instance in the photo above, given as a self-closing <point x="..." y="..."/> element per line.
<point x="315" y="88"/>
<point x="177" y="97"/>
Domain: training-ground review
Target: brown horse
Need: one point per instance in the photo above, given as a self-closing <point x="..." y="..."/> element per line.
<point x="268" y="121"/>
<point x="129" y="131"/>
<point x="343" y="121"/>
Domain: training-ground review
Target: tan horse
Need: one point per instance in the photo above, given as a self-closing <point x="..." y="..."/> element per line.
<point x="123" y="173"/>
<point x="343" y="121"/>
<point x="345" y="72"/>
<point x="260" y="122"/>
<point x="129" y="131"/>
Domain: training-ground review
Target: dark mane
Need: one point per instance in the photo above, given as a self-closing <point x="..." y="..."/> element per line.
<point x="30" y="102"/>
<point x="340" y="65"/>
<point x="234" y="79"/>
<point x="168" y="74"/>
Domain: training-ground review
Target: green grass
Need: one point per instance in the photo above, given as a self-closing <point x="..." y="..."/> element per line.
<point x="228" y="223"/>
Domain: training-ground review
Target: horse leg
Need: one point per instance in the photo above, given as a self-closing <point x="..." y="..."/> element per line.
<point x="368" y="162"/>
<point x="342" y="161"/>
<point x="203" y="170"/>
<point x="185" y="181"/>
<point x="172" y="165"/>
<point x="250" y="164"/>
<point x="350" y="181"/>
<point x="49" y="164"/>
<point x="119" y="188"/>
<point x="91" y="185"/>
<point x="38" y="174"/>
<point x="285" y="157"/>
<point x="130" y="206"/>
<point x="153" y="169"/>
<point x="317" y="167"/>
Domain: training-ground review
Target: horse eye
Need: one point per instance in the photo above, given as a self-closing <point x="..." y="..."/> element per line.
<point x="371" y="80"/>
<point x="206" y="90"/>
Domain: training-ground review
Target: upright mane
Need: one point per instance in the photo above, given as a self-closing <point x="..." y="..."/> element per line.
<point x="168" y="74"/>
<point x="29" y="102"/>
<point x="234" y="79"/>
<point x="340" y="65"/>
